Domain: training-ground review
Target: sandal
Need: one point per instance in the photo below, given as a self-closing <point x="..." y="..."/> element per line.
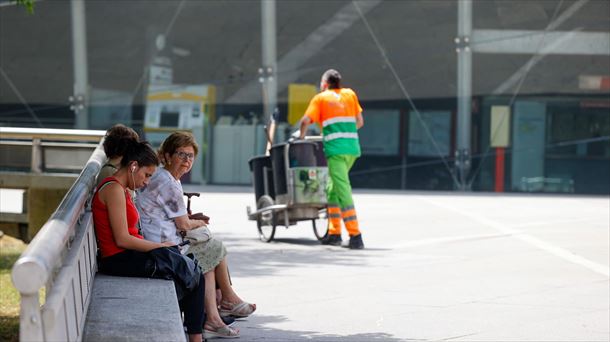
<point x="239" y="310"/>
<point x="220" y="332"/>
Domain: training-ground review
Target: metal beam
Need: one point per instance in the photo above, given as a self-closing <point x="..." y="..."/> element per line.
<point x="519" y="75"/>
<point x="541" y="42"/>
<point x="80" y="98"/>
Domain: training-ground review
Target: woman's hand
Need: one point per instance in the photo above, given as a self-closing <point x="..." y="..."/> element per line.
<point x="200" y="216"/>
<point x="199" y="223"/>
<point x="168" y="244"/>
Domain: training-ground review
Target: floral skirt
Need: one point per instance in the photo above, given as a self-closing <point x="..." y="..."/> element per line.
<point x="209" y="254"/>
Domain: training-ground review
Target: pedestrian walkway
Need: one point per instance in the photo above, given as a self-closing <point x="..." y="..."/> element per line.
<point x="437" y="266"/>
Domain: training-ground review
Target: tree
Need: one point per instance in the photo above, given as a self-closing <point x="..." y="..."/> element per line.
<point x="29" y="5"/>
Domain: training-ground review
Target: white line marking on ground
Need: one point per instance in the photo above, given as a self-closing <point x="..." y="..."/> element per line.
<point x="435" y="241"/>
<point x="543" y="245"/>
<point x="549" y="223"/>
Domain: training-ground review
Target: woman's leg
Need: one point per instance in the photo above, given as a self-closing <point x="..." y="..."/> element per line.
<point x="195" y="338"/>
<point x="192" y="305"/>
<point x="224" y="282"/>
<point x="218" y="297"/>
<point x="127" y="263"/>
<point x="213" y="319"/>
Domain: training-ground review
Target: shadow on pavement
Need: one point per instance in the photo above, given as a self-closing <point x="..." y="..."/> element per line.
<point x="315" y="242"/>
<point x="259" y="259"/>
<point x="254" y="330"/>
<point x="305" y="242"/>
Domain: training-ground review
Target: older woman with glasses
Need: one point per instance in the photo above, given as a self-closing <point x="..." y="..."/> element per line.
<point x="164" y="217"/>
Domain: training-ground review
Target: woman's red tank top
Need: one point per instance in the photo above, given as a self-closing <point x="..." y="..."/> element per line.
<point x="101" y="221"/>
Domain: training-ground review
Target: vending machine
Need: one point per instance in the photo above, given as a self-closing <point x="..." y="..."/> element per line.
<point x="176" y="107"/>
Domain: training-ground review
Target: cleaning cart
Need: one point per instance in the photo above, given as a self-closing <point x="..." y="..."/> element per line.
<point x="290" y="186"/>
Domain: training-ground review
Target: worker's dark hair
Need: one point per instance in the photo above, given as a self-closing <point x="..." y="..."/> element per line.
<point x="117" y="138"/>
<point x="140" y="152"/>
<point x="333" y="78"/>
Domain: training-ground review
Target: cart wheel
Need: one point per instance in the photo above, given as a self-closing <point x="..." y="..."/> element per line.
<point x="266" y="222"/>
<point x="320" y="225"/>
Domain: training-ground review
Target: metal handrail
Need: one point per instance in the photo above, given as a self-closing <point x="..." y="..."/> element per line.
<point x="35" y="266"/>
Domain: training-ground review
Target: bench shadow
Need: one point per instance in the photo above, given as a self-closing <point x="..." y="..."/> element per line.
<point x="254" y="329"/>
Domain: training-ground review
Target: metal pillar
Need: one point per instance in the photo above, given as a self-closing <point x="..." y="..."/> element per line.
<point x="464" y="91"/>
<point x="80" y="98"/>
<point x="268" y="71"/>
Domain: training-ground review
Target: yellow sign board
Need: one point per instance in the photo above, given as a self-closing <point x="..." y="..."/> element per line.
<point x="500" y="126"/>
<point x="299" y="96"/>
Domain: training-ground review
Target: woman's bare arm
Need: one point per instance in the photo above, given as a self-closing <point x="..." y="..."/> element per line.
<point x="185" y="223"/>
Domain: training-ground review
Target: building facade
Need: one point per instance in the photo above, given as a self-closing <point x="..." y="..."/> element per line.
<point x="486" y="95"/>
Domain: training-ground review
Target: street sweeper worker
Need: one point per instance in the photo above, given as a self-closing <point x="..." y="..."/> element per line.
<point x="339" y="115"/>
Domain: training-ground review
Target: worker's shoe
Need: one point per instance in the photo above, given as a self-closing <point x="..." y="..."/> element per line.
<point x="333" y="240"/>
<point x="355" y="242"/>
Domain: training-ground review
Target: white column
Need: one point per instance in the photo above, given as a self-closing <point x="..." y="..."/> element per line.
<point x="464" y="90"/>
<point x="79" y="49"/>
<point x="268" y="71"/>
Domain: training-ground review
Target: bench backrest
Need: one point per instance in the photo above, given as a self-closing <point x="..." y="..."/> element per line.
<point x="62" y="259"/>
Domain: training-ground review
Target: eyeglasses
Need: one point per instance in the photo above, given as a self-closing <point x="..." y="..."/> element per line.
<point x="185" y="156"/>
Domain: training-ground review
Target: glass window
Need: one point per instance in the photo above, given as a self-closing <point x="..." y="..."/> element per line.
<point x="578" y="129"/>
<point x="380" y="135"/>
<point x="430" y="133"/>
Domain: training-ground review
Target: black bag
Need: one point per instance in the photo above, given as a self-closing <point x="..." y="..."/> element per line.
<point x="170" y="264"/>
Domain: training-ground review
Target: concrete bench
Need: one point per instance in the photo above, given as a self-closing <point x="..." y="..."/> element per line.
<point x="81" y="305"/>
<point x="133" y="309"/>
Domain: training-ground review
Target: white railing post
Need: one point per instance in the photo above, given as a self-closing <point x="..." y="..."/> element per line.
<point x="30" y="322"/>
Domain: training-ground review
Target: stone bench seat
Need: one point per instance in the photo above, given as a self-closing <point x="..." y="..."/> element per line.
<point x="133" y="309"/>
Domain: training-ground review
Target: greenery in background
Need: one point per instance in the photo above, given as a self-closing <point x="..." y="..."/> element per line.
<point x="10" y="249"/>
<point x="29" y="5"/>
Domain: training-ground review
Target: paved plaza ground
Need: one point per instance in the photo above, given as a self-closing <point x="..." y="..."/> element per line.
<point x="437" y="267"/>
